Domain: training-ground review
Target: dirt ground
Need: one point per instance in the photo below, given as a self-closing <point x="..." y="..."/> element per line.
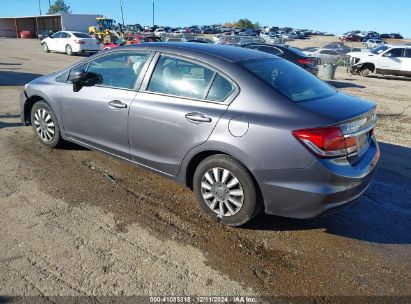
<point x="68" y="229"/>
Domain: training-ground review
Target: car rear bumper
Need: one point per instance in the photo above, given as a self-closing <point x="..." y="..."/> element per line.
<point x="87" y="49"/>
<point x="324" y="186"/>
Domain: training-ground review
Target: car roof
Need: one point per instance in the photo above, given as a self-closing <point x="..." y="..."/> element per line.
<point x="229" y="53"/>
<point x="73" y="32"/>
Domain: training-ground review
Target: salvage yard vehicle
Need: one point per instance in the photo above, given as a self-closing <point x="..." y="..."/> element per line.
<point x="70" y="43"/>
<point x="372" y="43"/>
<point x="385" y="60"/>
<point x="137" y="39"/>
<point x="289" y="53"/>
<point x="324" y="55"/>
<point x="244" y="129"/>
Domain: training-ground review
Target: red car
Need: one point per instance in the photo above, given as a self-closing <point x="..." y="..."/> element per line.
<point x="137" y="39"/>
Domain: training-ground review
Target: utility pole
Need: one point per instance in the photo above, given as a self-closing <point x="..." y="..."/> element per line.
<point x="122" y="14"/>
<point x="153" y="13"/>
<point x="49" y="4"/>
<point x="40" y="7"/>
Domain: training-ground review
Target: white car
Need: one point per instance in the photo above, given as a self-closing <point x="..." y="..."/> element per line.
<point x="71" y="43"/>
<point x="386" y="60"/>
<point x="325" y="55"/>
<point x="159" y="32"/>
<point x="372" y="43"/>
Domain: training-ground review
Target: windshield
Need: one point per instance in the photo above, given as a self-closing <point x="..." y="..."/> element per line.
<point x="289" y="79"/>
<point x="106" y="23"/>
<point x="379" y="49"/>
<point x="81" y="35"/>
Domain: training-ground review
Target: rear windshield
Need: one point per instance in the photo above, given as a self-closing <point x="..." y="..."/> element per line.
<point x="289" y="79"/>
<point x="297" y="51"/>
<point x="81" y="35"/>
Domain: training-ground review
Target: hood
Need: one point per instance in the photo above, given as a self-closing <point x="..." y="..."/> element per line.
<point x="360" y="54"/>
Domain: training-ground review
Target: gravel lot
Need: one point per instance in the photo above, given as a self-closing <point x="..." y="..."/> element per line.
<point x="67" y="229"/>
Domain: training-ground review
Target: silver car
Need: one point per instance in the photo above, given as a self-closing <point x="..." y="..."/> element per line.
<point x="245" y="130"/>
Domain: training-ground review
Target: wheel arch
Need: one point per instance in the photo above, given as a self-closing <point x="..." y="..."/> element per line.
<point x="369" y="65"/>
<point x="28" y="105"/>
<point x="200" y="156"/>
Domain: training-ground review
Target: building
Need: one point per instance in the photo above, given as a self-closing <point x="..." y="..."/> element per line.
<point x="13" y="26"/>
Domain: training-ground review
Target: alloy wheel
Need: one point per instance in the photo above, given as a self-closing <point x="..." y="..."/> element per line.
<point x="44" y="124"/>
<point x="222" y="192"/>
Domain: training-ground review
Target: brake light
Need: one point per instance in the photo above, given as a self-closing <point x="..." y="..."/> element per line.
<point x="306" y="61"/>
<point x="326" y="142"/>
<point x="79" y="41"/>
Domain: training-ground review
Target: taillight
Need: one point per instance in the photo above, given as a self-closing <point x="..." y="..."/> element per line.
<point x="79" y="41"/>
<point x="306" y="61"/>
<point x="326" y="142"/>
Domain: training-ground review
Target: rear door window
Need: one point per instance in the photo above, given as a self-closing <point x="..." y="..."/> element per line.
<point x="220" y="89"/>
<point x="407" y="53"/>
<point x="174" y="76"/>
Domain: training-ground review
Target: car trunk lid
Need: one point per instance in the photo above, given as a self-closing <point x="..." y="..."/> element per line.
<point x="356" y="118"/>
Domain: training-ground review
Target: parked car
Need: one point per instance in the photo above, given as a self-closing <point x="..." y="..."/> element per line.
<point x="351" y="38"/>
<point x="43" y="34"/>
<point x="396" y="36"/>
<point x="325" y="55"/>
<point x="289" y="53"/>
<point x="112" y="45"/>
<point x="71" y="43"/>
<point x="176" y="39"/>
<point x="159" y="31"/>
<point x="385" y="36"/>
<point x="372" y="43"/>
<point x="340" y="47"/>
<point x="246" y="130"/>
<point x="386" y="60"/>
<point x="137" y="39"/>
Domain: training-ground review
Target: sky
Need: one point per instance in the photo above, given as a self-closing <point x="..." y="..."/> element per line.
<point x="337" y="17"/>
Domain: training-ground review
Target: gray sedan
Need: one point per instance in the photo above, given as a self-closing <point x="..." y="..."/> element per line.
<point x="245" y="130"/>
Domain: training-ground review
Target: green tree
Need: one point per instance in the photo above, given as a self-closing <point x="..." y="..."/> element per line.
<point x="59" y="7"/>
<point x="246" y="23"/>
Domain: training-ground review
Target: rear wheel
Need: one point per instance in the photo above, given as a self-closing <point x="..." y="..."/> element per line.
<point x="46" y="48"/>
<point x="69" y="50"/>
<point x="45" y="125"/>
<point x="225" y="190"/>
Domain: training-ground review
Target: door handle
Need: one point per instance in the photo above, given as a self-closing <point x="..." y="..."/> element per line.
<point x="197" y="118"/>
<point x="117" y="104"/>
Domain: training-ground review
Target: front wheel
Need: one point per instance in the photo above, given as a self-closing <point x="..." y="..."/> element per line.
<point x="365" y="71"/>
<point x="46" y="48"/>
<point x="45" y="125"/>
<point x="225" y="190"/>
<point x="69" y="50"/>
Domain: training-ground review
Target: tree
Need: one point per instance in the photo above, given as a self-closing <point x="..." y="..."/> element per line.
<point x="59" y="7"/>
<point x="243" y="23"/>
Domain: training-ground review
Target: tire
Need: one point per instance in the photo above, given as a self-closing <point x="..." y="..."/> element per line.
<point x="45" y="125"/>
<point x="221" y="197"/>
<point x="46" y="48"/>
<point x="365" y="71"/>
<point x="69" y="50"/>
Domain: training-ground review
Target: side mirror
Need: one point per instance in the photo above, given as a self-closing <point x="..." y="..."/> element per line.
<point x="77" y="78"/>
<point x="387" y="55"/>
